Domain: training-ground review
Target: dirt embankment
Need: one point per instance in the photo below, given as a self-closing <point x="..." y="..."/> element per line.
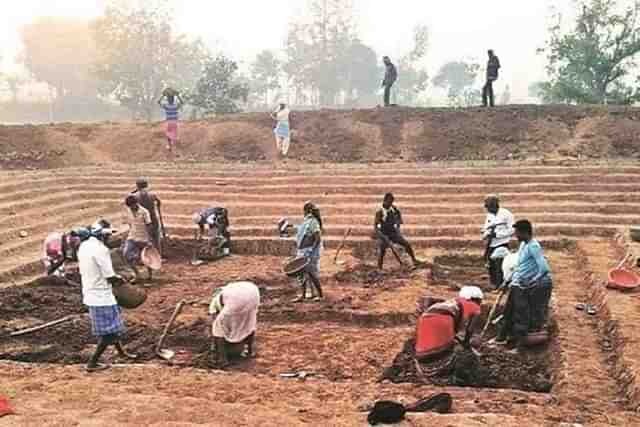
<point x="511" y="132"/>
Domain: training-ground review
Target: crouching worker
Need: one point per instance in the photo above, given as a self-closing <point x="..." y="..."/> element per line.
<point x="387" y="224"/>
<point x="530" y="291"/>
<point x="98" y="279"/>
<point x="436" y="334"/>
<point x="234" y="311"/>
<point x="219" y="239"/>
<point x="61" y="249"/>
<point x="139" y="237"/>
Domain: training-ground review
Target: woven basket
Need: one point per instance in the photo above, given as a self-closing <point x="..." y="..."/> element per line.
<point x="128" y="296"/>
<point x="295" y="266"/>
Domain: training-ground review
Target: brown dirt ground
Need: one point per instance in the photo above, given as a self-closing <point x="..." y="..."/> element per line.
<point x="510" y="132"/>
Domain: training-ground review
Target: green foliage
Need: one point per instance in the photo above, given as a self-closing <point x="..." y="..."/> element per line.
<point x="140" y="56"/>
<point x="265" y="74"/>
<point x="412" y="79"/>
<point x="218" y="90"/>
<point x="593" y="62"/>
<point x="457" y="77"/>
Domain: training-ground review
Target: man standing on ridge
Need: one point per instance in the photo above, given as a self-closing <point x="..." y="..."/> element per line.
<point x="493" y="65"/>
<point x="390" y="77"/>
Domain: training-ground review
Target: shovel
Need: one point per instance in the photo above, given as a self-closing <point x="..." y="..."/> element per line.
<point x="165" y="353"/>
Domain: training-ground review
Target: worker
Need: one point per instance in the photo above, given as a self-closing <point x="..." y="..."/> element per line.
<point x="151" y="202"/>
<point x="309" y="245"/>
<point x="390" y="77"/>
<point x="61" y="249"/>
<point x="217" y="218"/>
<point x="530" y="291"/>
<point x="437" y="329"/>
<point x="282" y="130"/>
<point x="140" y="230"/>
<point x="171" y="109"/>
<point x="98" y="278"/>
<point x="234" y="311"/>
<point x="496" y="232"/>
<point x="493" y="65"/>
<point x="387" y="222"/>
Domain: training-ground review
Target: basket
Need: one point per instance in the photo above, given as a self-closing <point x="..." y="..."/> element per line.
<point x="623" y="279"/>
<point x="151" y="258"/>
<point x="634" y="233"/>
<point x="295" y="266"/>
<point x="128" y="296"/>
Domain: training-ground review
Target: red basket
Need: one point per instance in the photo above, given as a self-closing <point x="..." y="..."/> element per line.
<point x="623" y="279"/>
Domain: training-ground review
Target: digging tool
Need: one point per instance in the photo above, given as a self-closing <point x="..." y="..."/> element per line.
<point x="381" y="235"/>
<point x="167" y="354"/>
<point x="344" y="238"/>
<point x="43" y="326"/>
<point x="505" y="291"/>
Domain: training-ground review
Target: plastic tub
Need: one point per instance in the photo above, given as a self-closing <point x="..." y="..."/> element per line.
<point x="623" y="279"/>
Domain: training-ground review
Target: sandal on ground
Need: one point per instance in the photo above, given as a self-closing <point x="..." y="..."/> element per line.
<point x="98" y="367"/>
<point x="317" y="299"/>
<point x="591" y="310"/>
<point x="129" y="356"/>
<point x="581" y="307"/>
<point x="297" y="300"/>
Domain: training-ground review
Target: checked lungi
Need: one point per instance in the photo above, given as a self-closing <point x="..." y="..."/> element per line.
<point x="106" y="320"/>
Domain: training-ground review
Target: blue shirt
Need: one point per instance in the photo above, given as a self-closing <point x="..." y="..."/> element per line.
<point x="171" y="111"/>
<point x="532" y="265"/>
<point x="309" y="226"/>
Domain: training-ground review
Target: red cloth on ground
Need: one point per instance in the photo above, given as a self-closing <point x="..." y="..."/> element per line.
<point x="5" y="408"/>
<point x="435" y="332"/>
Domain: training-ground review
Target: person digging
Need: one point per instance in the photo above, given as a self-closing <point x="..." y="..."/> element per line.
<point x="98" y="279"/>
<point x="218" y="244"/>
<point x="140" y="230"/>
<point x="387" y="222"/>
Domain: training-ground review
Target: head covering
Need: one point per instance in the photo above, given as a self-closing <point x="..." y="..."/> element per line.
<point x="197" y="217"/>
<point x="102" y="228"/>
<point x="83" y="233"/>
<point x="471" y="292"/>
<point x="215" y="306"/>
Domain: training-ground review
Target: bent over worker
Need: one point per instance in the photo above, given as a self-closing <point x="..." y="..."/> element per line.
<point x="59" y="249"/>
<point x="496" y="232"/>
<point x="387" y="224"/>
<point x="234" y="311"/>
<point x="98" y="279"/>
<point x="217" y="219"/>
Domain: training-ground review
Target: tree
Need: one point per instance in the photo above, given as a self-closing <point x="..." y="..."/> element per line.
<point x="363" y="74"/>
<point x="412" y="79"/>
<point x="265" y="74"/>
<point x="140" y="56"/>
<point x="60" y="52"/>
<point x="218" y="90"/>
<point x="592" y="62"/>
<point x="457" y="77"/>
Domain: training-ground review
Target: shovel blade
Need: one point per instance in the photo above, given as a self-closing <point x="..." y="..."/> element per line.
<point x="166" y="354"/>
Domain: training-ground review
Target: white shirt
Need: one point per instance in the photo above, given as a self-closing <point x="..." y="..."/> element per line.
<point x="94" y="260"/>
<point x="504" y="231"/>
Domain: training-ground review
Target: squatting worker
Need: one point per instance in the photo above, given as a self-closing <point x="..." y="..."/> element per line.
<point x="387" y="222"/>
<point x="496" y="232"/>
<point x="493" y="65"/>
<point x="309" y="245"/>
<point x="234" y="311"/>
<point x="171" y="108"/>
<point x="282" y="131"/>
<point x="438" y="326"/>
<point x="151" y="202"/>
<point x="140" y="230"/>
<point x="390" y="77"/>
<point x="59" y="249"/>
<point x="217" y="219"/>
<point x="98" y="278"/>
<point x="531" y="285"/>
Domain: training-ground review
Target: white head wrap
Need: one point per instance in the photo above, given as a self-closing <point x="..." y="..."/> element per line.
<point x="471" y="292"/>
<point x="216" y="302"/>
<point x="196" y="218"/>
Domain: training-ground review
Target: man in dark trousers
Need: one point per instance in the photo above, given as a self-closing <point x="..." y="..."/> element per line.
<point x="390" y="77"/>
<point x="387" y="229"/>
<point x="492" y="75"/>
<point x="151" y="203"/>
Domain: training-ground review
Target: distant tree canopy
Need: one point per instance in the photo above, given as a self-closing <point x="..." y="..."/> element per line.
<point x="592" y="63"/>
<point x="458" y="77"/>
<point x="218" y="90"/>
<point x="265" y="75"/>
<point x="412" y="79"/>
<point x="140" y="55"/>
<point x="60" y="52"/>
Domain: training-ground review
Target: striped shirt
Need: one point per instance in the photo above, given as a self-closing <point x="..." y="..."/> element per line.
<point x="171" y="111"/>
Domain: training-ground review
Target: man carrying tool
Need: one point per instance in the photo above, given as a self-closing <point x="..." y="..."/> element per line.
<point x="387" y="224"/>
<point x="496" y="232"/>
<point x="217" y="219"/>
<point x="151" y="203"/>
<point x="390" y="77"/>
<point x="98" y="278"/>
<point x="530" y="291"/>
<point x="493" y="65"/>
<point x="140" y="230"/>
<point x="234" y="311"/>
<point x="437" y="329"/>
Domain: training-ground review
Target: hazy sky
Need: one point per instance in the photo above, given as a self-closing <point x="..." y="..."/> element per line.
<point x="241" y="28"/>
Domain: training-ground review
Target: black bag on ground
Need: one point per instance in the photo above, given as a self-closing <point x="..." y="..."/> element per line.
<point x="389" y="412"/>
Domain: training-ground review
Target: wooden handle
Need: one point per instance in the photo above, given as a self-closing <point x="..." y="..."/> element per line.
<point x="43" y="326"/>
<point x="176" y="311"/>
